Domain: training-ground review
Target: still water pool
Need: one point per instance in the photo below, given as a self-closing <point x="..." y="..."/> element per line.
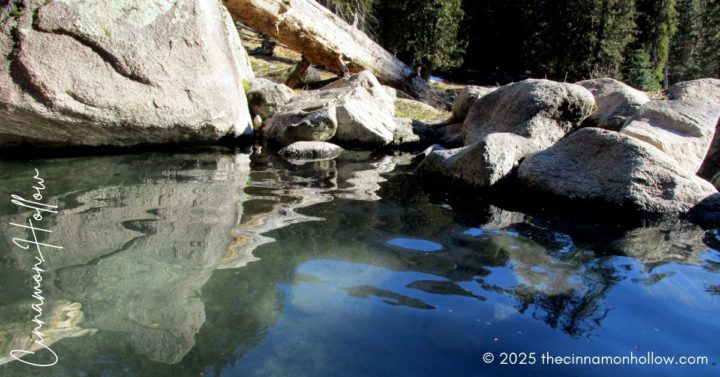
<point x="216" y="263"/>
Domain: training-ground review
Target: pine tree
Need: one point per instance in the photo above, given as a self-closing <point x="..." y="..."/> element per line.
<point x="638" y="71"/>
<point x="355" y="12"/>
<point x="710" y="49"/>
<point x="657" y="23"/>
<point x="696" y="45"/>
<point x="685" y="59"/>
<point x="558" y="39"/>
<point x="423" y="32"/>
<point x="614" y="30"/>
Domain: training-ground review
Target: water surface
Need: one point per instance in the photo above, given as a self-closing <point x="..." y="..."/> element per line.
<point x="219" y="264"/>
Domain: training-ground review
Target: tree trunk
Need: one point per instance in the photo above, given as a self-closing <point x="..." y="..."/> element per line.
<point x="298" y="73"/>
<point x="325" y="39"/>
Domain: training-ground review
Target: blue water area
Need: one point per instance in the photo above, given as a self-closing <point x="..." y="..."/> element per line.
<point x="214" y="263"/>
<point x="415" y="244"/>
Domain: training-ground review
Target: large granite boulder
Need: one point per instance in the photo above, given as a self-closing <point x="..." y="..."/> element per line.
<point x="710" y="169"/>
<point x="466" y="98"/>
<point x="682" y="129"/>
<point x="364" y="111"/>
<point x="608" y="167"/>
<point x="450" y="135"/>
<point x="615" y="102"/>
<point x="266" y="97"/>
<point x="364" y="120"/>
<point x="412" y="134"/>
<point x="482" y="164"/>
<point x="703" y="90"/>
<point x="100" y="73"/>
<point x="541" y="110"/>
<point x="365" y="79"/>
<point x="508" y="124"/>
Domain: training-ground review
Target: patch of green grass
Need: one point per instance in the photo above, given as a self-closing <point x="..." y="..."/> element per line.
<point x="405" y="108"/>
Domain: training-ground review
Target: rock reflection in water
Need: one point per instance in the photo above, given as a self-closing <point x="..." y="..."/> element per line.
<point x="136" y="253"/>
<point x="62" y="319"/>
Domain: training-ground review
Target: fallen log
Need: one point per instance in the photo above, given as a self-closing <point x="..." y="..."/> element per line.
<point x="325" y="39"/>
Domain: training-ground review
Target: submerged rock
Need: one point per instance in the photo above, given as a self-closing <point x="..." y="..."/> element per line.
<point x="310" y="150"/>
<point x="466" y="98"/>
<point x="682" y="129"/>
<point x="615" y="102"/>
<point x="609" y="167"/>
<point x="91" y="73"/>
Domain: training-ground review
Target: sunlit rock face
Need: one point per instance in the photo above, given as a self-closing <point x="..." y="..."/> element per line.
<point x="615" y="102"/>
<point x="120" y="73"/>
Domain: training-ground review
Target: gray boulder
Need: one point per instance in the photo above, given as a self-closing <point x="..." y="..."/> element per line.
<point x="364" y="120"/>
<point x="367" y="80"/>
<point x="710" y="168"/>
<point x="246" y="70"/>
<point x="508" y="124"/>
<point x="603" y="166"/>
<point x="391" y="92"/>
<point x="313" y="124"/>
<point x="412" y="133"/>
<point x="465" y="98"/>
<point x="310" y="150"/>
<point x="541" y="110"/>
<point x="682" y="129"/>
<point x="450" y="135"/>
<point x="94" y="73"/>
<point x="266" y="97"/>
<point x="365" y="111"/>
<point x="311" y="76"/>
<point x="615" y="102"/>
<point x="482" y="164"/>
<point x="703" y="90"/>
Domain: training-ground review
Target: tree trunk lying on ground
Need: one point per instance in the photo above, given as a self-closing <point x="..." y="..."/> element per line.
<point x="325" y="39"/>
